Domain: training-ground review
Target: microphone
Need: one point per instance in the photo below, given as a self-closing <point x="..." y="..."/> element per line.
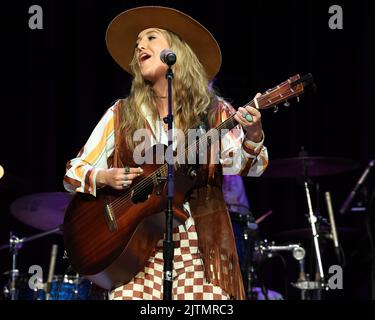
<point x="168" y="57"/>
<point x="359" y="183"/>
<point x="333" y="226"/>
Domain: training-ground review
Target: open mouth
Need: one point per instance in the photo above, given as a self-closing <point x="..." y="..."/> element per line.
<point x="143" y="57"/>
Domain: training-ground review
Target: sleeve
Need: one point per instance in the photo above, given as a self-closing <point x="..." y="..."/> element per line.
<point x="239" y="155"/>
<point x="81" y="171"/>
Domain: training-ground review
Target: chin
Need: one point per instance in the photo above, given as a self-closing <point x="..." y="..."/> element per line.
<point x="154" y="74"/>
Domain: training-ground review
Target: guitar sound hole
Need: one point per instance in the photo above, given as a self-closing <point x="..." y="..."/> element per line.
<point x="142" y="190"/>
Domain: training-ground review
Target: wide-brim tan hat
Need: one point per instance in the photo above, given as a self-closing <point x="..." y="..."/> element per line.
<point x="124" y="29"/>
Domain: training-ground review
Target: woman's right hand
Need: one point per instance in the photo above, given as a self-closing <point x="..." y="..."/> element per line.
<point x="117" y="178"/>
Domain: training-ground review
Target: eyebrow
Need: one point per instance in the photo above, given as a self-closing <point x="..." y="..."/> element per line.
<point x="148" y="32"/>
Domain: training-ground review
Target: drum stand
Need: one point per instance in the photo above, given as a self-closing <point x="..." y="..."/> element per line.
<point x="270" y="249"/>
<point x="248" y="230"/>
<point x="15" y="244"/>
<point x="249" y="236"/>
<point x="319" y="284"/>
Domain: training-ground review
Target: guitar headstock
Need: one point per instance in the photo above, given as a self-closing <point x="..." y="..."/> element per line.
<point x="291" y="88"/>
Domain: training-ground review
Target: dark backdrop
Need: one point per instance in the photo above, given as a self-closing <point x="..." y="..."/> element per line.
<point x="57" y="83"/>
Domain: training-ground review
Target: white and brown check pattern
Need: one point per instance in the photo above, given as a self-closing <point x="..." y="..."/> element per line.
<point x="189" y="282"/>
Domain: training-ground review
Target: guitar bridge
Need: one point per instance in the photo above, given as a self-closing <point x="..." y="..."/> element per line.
<point x="109" y="218"/>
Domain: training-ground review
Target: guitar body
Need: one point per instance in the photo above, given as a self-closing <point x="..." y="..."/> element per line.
<point x="110" y="252"/>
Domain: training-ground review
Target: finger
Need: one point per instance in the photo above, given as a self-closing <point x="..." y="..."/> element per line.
<point x="247" y="118"/>
<point x="255" y="100"/>
<point x="126" y="184"/>
<point x="123" y="184"/>
<point x="136" y="170"/>
<point x="121" y="175"/>
<point x="253" y="111"/>
<point x="241" y="120"/>
<point x="131" y="176"/>
<point x="242" y="110"/>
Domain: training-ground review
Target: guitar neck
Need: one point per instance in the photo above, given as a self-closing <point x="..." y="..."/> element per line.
<point x="286" y="90"/>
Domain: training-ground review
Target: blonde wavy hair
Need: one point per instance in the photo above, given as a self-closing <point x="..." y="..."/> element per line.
<point x="192" y="97"/>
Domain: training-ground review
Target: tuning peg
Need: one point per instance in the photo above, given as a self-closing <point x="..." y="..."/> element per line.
<point x="275" y="109"/>
<point x="287" y="104"/>
<point x="297" y="99"/>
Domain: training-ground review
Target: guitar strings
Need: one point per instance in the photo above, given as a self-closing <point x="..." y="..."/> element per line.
<point x="145" y="182"/>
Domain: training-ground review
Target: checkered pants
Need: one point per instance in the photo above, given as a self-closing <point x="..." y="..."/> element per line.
<point x="189" y="282"/>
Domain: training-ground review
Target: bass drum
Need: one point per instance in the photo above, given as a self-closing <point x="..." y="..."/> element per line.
<point x="69" y="287"/>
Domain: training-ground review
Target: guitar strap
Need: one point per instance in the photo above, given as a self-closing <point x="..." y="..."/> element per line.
<point x="114" y="160"/>
<point x="216" y="241"/>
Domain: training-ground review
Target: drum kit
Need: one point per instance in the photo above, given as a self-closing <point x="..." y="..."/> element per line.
<point x="257" y="251"/>
<point x="45" y="211"/>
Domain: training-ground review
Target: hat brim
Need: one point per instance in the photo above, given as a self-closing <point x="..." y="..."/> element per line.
<point x="124" y="29"/>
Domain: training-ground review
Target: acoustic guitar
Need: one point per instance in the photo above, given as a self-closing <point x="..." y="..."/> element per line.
<point x="109" y="238"/>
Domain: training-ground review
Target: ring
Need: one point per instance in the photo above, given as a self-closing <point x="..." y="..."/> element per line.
<point x="126" y="169"/>
<point x="125" y="185"/>
<point x="249" y="117"/>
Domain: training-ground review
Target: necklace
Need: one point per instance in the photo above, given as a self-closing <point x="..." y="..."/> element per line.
<point x="159" y="97"/>
<point x="162" y="126"/>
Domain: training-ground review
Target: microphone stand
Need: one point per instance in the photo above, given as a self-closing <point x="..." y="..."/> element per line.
<point x="349" y="199"/>
<point x="168" y="246"/>
<point x="319" y="275"/>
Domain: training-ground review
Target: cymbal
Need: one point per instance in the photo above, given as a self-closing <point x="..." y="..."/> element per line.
<point x="43" y="211"/>
<point x="324" y="231"/>
<point x="308" y="167"/>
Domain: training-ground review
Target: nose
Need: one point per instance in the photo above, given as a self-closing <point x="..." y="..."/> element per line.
<point x="141" y="45"/>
